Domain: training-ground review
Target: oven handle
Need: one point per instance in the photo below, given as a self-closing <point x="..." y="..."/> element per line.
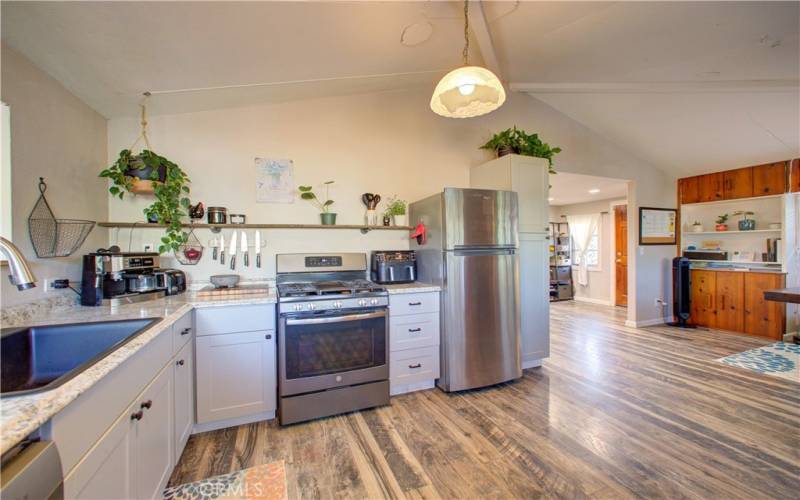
<point x="334" y="319"/>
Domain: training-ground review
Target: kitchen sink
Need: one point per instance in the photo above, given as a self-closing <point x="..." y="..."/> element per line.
<point x="39" y="358"/>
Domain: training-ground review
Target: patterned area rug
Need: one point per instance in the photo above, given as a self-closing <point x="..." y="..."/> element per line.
<point x="266" y="482"/>
<point x="780" y="359"/>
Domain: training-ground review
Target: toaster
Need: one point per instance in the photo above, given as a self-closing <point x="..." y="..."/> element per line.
<point x="174" y="281"/>
<point x="396" y="266"/>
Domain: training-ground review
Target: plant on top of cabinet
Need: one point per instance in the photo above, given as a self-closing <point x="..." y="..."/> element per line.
<point x="514" y="140"/>
<point x="721" y="222"/>
<point x="396" y="208"/>
<point x="745" y="224"/>
<point x="306" y="193"/>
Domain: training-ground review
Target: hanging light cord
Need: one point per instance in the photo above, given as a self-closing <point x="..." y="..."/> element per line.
<point x="143" y="133"/>
<point x="465" y="53"/>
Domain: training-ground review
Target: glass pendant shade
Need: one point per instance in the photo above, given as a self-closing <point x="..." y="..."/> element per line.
<point x="466" y="92"/>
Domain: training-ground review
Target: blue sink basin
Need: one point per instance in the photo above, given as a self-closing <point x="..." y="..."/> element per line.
<point x="39" y="358"/>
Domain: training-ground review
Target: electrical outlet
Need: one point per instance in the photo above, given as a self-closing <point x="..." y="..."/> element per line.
<point x="51" y="285"/>
<point x="660" y="302"/>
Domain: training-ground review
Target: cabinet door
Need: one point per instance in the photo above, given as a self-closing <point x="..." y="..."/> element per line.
<point x="534" y="297"/>
<point x="794" y="176"/>
<point x="710" y="187"/>
<point x="737" y="183"/>
<point x="730" y="301"/>
<point x="769" y="179"/>
<point x="236" y="375"/>
<point x="762" y="317"/>
<point x="155" y="436"/>
<point x="703" y="292"/>
<point x="530" y="179"/>
<point x="184" y="396"/>
<point x="689" y="189"/>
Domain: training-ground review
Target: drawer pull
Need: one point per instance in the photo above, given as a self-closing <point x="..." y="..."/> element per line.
<point x="138" y="415"/>
<point x="415" y="303"/>
<point x="415" y="330"/>
<point x="418" y="365"/>
<point x="186" y="331"/>
<point x="147" y="404"/>
<point x="268" y="336"/>
<point x="180" y="362"/>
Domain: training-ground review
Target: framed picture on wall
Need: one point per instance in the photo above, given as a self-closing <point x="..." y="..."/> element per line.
<point x="657" y="226"/>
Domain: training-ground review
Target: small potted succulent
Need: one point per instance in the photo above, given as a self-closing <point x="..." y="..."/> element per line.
<point x="697" y="227"/>
<point x="721" y="223"/>
<point x="326" y="217"/>
<point x="396" y="209"/>
<point x="745" y="224"/>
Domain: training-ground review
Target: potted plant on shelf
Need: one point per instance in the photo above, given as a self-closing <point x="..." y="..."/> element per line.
<point x="516" y="141"/>
<point x="169" y="184"/>
<point x="745" y="224"/>
<point x="697" y="227"/>
<point x="721" y="223"/>
<point x="396" y="209"/>
<point x="327" y="218"/>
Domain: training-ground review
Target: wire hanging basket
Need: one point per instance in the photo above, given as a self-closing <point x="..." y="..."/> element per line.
<point x="190" y="252"/>
<point x="53" y="237"/>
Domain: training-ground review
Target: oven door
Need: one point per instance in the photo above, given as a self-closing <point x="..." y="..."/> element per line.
<point x="319" y="352"/>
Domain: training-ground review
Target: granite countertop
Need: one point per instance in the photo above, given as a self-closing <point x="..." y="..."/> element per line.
<point x="21" y="415"/>
<point x="415" y="287"/>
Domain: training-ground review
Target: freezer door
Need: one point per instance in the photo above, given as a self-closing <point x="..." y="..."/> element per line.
<point x="480" y="218"/>
<point x="480" y="319"/>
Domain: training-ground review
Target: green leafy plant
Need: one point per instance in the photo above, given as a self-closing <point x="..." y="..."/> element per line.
<point x="395" y="206"/>
<point x="306" y="193"/>
<point x="171" y="191"/>
<point x="722" y="219"/>
<point x="744" y="213"/>
<point x="696" y="223"/>
<point x="514" y="140"/>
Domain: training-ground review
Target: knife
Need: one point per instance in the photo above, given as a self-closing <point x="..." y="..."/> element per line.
<point x="214" y="249"/>
<point x="222" y="249"/>
<point x="233" y="251"/>
<point x="258" y="249"/>
<point x="245" y="250"/>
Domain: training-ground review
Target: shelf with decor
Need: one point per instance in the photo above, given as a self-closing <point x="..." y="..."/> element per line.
<point x="145" y="225"/>
<point x="706" y="233"/>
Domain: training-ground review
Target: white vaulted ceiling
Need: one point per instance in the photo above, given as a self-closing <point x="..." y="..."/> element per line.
<point x="688" y="86"/>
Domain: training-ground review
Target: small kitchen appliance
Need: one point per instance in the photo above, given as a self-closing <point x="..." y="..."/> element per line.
<point x="111" y="277"/>
<point x="396" y="266"/>
<point x="333" y="336"/>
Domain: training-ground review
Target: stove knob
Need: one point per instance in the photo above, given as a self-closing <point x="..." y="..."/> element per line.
<point x="337" y="304"/>
<point x="298" y="307"/>
<point x="362" y="302"/>
<point x="374" y="302"/>
<point x="311" y="307"/>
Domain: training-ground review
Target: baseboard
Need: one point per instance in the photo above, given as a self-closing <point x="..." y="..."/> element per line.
<point x="592" y="301"/>
<point x="648" y="322"/>
<point x="533" y="363"/>
<point x="396" y="390"/>
<point x="232" y="422"/>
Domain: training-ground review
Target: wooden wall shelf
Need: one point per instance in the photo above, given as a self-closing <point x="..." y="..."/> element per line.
<point x="362" y="228"/>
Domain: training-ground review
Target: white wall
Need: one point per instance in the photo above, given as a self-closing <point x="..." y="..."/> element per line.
<point x="56" y="136"/>
<point x="599" y="287"/>
<point x="386" y="143"/>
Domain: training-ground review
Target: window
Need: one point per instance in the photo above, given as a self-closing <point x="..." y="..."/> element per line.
<point x="592" y="254"/>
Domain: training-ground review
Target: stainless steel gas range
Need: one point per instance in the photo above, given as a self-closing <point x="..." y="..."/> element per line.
<point x="333" y="336"/>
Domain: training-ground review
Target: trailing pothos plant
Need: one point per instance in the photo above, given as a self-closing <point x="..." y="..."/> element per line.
<point x="514" y="140"/>
<point x="171" y="191"/>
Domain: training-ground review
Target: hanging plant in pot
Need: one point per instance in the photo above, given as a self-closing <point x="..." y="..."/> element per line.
<point x="326" y="217"/>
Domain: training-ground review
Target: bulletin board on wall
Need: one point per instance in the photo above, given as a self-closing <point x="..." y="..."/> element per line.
<point x="658" y="226"/>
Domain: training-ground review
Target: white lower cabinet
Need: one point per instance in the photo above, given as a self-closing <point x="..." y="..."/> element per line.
<point x="413" y="341"/>
<point x="534" y="298"/>
<point x="183" y="368"/>
<point x="155" y="441"/>
<point x="236" y="375"/>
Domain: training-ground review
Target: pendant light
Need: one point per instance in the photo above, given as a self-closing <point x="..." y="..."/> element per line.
<point x="469" y="90"/>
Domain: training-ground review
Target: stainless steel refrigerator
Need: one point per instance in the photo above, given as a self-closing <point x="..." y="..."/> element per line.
<point x="471" y="251"/>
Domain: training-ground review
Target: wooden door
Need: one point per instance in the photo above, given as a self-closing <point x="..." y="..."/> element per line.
<point x="621" y="255"/>
<point x="762" y="317"/>
<point x="689" y="190"/>
<point x="155" y="436"/>
<point x="769" y="179"/>
<point x="710" y="187"/>
<point x="737" y="183"/>
<point x="730" y="301"/>
<point x="794" y="176"/>
<point x="704" y="289"/>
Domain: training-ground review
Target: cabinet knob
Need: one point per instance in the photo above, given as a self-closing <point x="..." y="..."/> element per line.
<point x="138" y="415"/>
<point x="180" y="362"/>
<point x="186" y="331"/>
<point x="268" y="336"/>
<point x="147" y="404"/>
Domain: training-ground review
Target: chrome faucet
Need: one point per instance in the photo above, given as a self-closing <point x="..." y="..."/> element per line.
<point x="21" y="275"/>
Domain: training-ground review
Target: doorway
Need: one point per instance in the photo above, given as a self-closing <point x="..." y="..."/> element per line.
<point x="621" y="255"/>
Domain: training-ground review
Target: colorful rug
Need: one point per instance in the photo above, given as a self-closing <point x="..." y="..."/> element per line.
<point x="265" y="482"/>
<point x="780" y="359"/>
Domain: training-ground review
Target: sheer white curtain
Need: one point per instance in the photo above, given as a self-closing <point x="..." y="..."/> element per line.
<point x="581" y="229"/>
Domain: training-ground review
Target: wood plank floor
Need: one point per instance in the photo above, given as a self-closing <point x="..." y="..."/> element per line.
<point x="616" y="412"/>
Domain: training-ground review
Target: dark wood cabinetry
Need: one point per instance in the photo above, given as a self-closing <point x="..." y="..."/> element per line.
<point x="737" y="183"/>
<point x="710" y="187"/>
<point x="688" y="190"/>
<point x="794" y="176"/>
<point x="760" y="180"/>
<point x="703" y="309"/>
<point x="730" y="301"/>
<point x="762" y="317"/>
<point x="769" y="179"/>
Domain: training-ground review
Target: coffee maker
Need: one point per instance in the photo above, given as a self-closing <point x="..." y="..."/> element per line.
<point x="120" y="277"/>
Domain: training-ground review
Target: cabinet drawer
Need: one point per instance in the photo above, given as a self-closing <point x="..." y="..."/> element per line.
<point x="182" y="332"/>
<point x="414" y="303"/>
<point x="413" y="330"/>
<point x="414" y="365"/>
<point x="234" y="319"/>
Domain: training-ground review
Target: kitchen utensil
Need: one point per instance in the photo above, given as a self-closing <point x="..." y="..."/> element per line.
<point x="237" y="218"/>
<point x="245" y="250"/>
<point x="222" y="249"/>
<point x="375" y="200"/>
<point x="258" y="249"/>
<point x="366" y="198"/>
<point x="217" y="215"/>
<point x="225" y="280"/>
<point x="233" y="251"/>
<point x="214" y="249"/>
